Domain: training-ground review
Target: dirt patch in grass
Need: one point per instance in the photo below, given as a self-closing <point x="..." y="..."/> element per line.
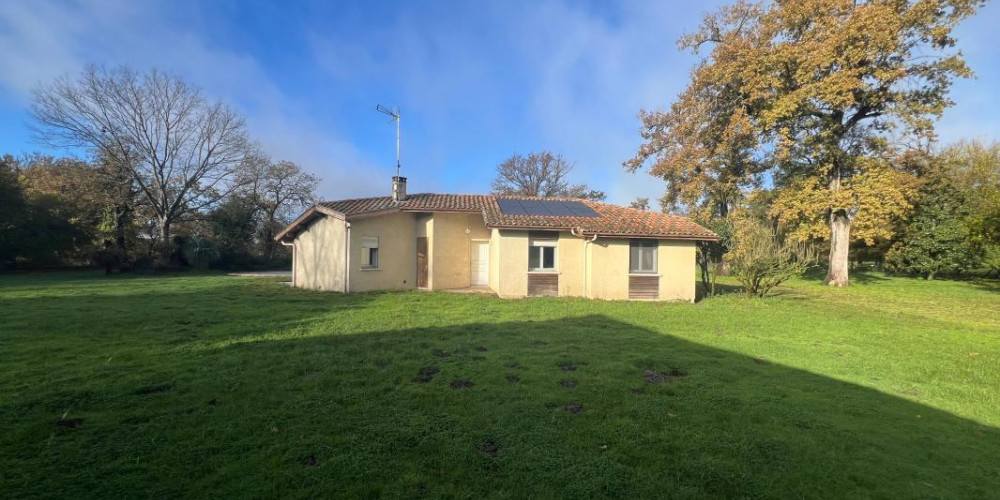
<point x="568" y="383"/>
<point x="513" y="364"/>
<point x="69" y="423"/>
<point x="438" y="353"/>
<point x="153" y="389"/>
<point x="569" y="366"/>
<point x="655" y="377"/>
<point x="573" y="408"/>
<point x="311" y="460"/>
<point x="426" y="374"/>
<point x="462" y="384"/>
<point x="481" y="348"/>
<point x="488" y="448"/>
<point x="513" y="379"/>
<point x="638" y="390"/>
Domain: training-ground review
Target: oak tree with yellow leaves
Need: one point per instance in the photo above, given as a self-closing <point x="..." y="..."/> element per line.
<point x="821" y="92"/>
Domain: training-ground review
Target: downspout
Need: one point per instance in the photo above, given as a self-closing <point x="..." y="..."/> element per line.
<point x="287" y="244"/>
<point x="578" y="232"/>
<point x="347" y="257"/>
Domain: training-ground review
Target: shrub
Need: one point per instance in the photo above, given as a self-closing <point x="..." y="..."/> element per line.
<point x="760" y="260"/>
<point x="199" y="252"/>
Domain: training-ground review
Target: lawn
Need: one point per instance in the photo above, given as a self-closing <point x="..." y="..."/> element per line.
<point x="197" y="385"/>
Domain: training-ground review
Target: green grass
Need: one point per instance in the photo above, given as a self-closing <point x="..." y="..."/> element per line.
<point x="233" y="387"/>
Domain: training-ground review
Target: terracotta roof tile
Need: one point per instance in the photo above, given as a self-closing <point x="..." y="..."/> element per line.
<point x="414" y="202"/>
<point x="614" y="220"/>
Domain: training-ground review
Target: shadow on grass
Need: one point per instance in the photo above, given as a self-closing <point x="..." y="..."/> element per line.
<point x="581" y="407"/>
<point x="987" y="284"/>
<point x="856" y="276"/>
<point x="720" y="289"/>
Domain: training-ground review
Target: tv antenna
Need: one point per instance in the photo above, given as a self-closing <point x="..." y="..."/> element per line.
<point x="394" y="113"/>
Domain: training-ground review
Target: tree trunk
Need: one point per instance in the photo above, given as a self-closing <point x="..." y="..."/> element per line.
<point x="121" y="223"/>
<point x="840" y="242"/>
<point x="165" y="231"/>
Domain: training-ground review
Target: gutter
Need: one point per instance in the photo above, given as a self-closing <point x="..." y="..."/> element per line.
<point x="579" y="233"/>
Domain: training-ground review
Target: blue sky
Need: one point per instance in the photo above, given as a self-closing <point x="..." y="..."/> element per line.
<point x="476" y="81"/>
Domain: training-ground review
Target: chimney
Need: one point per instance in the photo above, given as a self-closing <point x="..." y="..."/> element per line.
<point x="398" y="188"/>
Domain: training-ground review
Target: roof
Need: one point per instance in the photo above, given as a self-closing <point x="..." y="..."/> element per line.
<point x="613" y="220"/>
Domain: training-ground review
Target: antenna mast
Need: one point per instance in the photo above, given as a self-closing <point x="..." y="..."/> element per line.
<point x="394" y="113"/>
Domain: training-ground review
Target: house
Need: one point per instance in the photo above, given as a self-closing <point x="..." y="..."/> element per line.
<point x="515" y="246"/>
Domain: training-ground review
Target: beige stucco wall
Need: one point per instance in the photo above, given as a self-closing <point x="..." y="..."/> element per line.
<point x="452" y="250"/>
<point x="609" y="269"/>
<point x="397" y="235"/>
<point x="571" y="264"/>
<point x="495" y="260"/>
<point x="598" y="270"/>
<point x="318" y="261"/>
<point x="513" y="264"/>
<point x="676" y="265"/>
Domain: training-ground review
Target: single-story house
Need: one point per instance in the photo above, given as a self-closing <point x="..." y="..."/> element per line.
<point x="515" y="246"/>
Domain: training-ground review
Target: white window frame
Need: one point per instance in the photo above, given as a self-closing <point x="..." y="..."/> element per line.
<point x="653" y="245"/>
<point x="369" y="243"/>
<point x="538" y="245"/>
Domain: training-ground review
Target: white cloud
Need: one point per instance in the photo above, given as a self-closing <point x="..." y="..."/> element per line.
<point x="583" y="79"/>
<point x="477" y="81"/>
<point x="43" y="40"/>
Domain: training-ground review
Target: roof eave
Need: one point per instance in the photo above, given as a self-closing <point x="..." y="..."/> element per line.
<point x="306" y="217"/>
<point x="606" y="234"/>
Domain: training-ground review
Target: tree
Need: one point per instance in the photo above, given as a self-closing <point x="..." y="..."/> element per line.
<point x="181" y="149"/>
<point x="277" y="190"/>
<point x="711" y="254"/>
<point x="704" y="147"/>
<point x="234" y="225"/>
<point x="640" y="203"/>
<point x="760" y="260"/>
<point x="72" y="191"/>
<point x="937" y="238"/>
<point x="121" y="198"/>
<point x="827" y="87"/>
<point x="34" y="230"/>
<point x="540" y="174"/>
<point x="974" y="168"/>
<point x="13" y="210"/>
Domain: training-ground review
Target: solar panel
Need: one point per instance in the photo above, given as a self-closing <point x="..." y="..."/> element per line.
<point x="560" y="209"/>
<point x="533" y="207"/>
<point x="511" y="207"/>
<point x="546" y="208"/>
<point x="579" y="209"/>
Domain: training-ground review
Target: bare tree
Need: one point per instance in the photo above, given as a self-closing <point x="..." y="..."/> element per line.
<point x="277" y="190"/>
<point x="181" y="149"/>
<point x="540" y="174"/>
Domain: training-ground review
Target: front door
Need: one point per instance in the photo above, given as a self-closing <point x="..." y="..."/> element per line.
<point x="480" y="263"/>
<point x="422" y="262"/>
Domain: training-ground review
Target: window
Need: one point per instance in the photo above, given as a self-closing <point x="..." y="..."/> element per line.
<point x="642" y="256"/>
<point x="369" y="252"/>
<point x="542" y="253"/>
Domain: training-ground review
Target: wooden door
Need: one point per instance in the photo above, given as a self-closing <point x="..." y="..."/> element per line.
<point x="422" y="261"/>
